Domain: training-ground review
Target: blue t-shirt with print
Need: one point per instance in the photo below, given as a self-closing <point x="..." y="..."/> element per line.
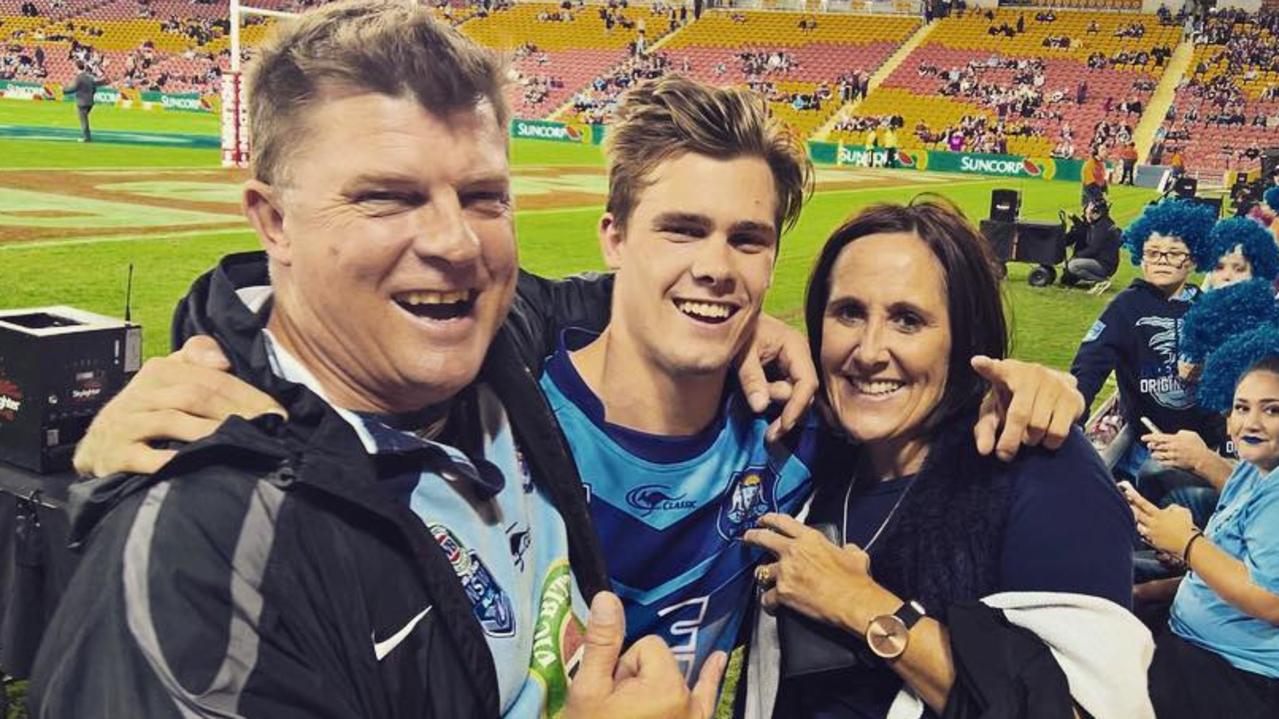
<point x="670" y="511"/>
<point x="1245" y="525"/>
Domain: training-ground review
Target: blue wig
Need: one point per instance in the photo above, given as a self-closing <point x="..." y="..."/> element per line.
<point x="1191" y="222"/>
<point x="1272" y="198"/>
<point x="1227" y="364"/>
<point x="1258" y="246"/>
<point x="1225" y="313"/>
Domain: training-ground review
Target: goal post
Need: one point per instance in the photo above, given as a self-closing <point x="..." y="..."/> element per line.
<point x="236" y="143"/>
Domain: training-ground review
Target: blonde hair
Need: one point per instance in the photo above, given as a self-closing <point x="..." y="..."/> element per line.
<point x="662" y="119"/>
<point x="392" y="47"/>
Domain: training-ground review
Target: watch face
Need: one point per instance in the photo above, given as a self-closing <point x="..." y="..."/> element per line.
<point x="887" y="636"/>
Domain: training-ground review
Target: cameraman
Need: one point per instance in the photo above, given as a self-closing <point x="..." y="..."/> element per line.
<point x="1095" y="241"/>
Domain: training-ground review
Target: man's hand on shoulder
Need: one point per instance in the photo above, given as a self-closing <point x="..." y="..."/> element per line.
<point x="184" y="396"/>
<point x="1032" y="403"/>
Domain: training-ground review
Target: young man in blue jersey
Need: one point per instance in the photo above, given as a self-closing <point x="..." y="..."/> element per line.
<point x="701" y="184"/>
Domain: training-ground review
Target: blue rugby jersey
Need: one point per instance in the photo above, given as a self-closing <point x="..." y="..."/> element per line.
<point x="670" y="511"/>
<point x="501" y="534"/>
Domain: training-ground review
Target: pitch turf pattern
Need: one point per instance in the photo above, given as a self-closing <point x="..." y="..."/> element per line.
<point x="73" y="216"/>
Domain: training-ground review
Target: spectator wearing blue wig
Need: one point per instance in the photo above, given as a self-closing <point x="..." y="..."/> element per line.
<point x="1241" y="250"/>
<point x="1219" y="654"/>
<point x="1136" y="336"/>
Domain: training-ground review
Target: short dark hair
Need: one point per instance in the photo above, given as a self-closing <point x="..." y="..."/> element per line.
<point x="392" y="47"/>
<point x="974" y="299"/>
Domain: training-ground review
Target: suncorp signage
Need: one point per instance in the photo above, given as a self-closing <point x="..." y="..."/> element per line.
<point x="548" y="131"/>
<point x="1009" y="166"/>
<point x="180" y="102"/>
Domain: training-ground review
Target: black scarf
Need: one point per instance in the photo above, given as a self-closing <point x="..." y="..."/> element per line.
<point x="945" y="541"/>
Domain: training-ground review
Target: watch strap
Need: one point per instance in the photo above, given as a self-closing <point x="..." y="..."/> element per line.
<point x="910" y="612"/>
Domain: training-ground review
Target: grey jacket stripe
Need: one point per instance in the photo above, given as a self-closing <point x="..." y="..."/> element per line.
<point x="252" y="551"/>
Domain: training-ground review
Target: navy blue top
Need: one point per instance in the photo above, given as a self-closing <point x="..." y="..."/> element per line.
<point x="1068" y="530"/>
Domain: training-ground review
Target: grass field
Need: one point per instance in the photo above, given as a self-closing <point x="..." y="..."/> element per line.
<point x="84" y="263"/>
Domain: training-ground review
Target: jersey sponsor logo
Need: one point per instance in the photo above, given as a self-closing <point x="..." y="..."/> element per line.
<point x="1095" y="331"/>
<point x="490" y="603"/>
<point x="684" y="623"/>
<point x="1159" y="380"/>
<point x="651" y="498"/>
<point x="520" y="539"/>
<point x="559" y="638"/>
<point x="749" y="497"/>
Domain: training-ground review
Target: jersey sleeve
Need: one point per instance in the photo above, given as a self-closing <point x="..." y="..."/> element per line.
<point x="1098" y="354"/>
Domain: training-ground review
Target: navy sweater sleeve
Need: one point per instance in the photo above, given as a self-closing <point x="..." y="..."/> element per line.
<point x="1099" y="352"/>
<point x="1069" y="530"/>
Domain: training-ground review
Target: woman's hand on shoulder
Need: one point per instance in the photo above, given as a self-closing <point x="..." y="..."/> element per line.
<point x="815" y="577"/>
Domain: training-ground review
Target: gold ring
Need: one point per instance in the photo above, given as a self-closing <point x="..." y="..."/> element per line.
<point x="763" y="576"/>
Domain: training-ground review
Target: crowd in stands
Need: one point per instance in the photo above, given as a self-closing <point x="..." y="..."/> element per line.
<point x="1222" y="96"/>
<point x="202" y="30"/>
<point x="22" y="63"/>
<point x="754" y="64"/>
<point x="595" y="104"/>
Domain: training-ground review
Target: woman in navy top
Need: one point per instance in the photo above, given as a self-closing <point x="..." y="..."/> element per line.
<point x="963" y="581"/>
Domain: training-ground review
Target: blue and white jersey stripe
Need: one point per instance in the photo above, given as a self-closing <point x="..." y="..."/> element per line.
<point x="670" y="511"/>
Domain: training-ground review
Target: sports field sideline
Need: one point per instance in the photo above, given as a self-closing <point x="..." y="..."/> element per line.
<point x="73" y="217"/>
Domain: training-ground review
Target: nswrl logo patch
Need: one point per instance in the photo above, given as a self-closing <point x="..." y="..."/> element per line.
<point x="1095" y="331"/>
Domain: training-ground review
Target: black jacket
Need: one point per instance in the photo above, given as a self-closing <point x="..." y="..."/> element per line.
<point x="1098" y="241"/>
<point x="267" y="559"/>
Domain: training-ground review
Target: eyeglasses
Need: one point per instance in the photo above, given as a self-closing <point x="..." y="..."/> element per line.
<point x="1176" y="257"/>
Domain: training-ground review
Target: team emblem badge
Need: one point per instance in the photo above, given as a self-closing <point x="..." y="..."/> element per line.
<point x="749" y="497"/>
<point x="492" y="606"/>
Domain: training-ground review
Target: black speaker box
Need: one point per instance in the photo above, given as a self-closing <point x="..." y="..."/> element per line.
<point x="1005" y="205"/>
<point x="1186" y="187"/>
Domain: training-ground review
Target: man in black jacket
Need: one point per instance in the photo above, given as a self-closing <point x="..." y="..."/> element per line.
<point x="1095" y="240"/>
<point x="83" y="87"/>
<point x="412" y="541"/>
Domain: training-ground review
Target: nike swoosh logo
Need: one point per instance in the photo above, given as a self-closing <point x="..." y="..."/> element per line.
<point x="384" y="647"/>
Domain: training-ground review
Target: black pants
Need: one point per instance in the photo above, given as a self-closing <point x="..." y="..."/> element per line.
<point x="1187" y="682"/>
<point x="84" y="122"/>
<point x="1128" y="167"/>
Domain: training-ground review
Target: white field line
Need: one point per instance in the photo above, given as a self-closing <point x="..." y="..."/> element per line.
<point x="34" y="244"/>
<point x="41" y="244"/>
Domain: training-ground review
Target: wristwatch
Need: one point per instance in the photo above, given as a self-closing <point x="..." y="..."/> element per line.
<point x="888" y="634"/>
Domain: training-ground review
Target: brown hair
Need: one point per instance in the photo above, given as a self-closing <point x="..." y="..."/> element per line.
<point x="662" y="119"/>
<point x="392" y="47"/>
<point x="973" y="297"/>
